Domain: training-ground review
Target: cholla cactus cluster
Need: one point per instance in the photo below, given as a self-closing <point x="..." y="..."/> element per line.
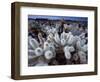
<point x="42" y="54"/>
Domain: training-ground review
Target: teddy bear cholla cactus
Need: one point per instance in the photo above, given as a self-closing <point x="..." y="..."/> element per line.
<point x="68" y="41"/>
<point x="34" y="50"/>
